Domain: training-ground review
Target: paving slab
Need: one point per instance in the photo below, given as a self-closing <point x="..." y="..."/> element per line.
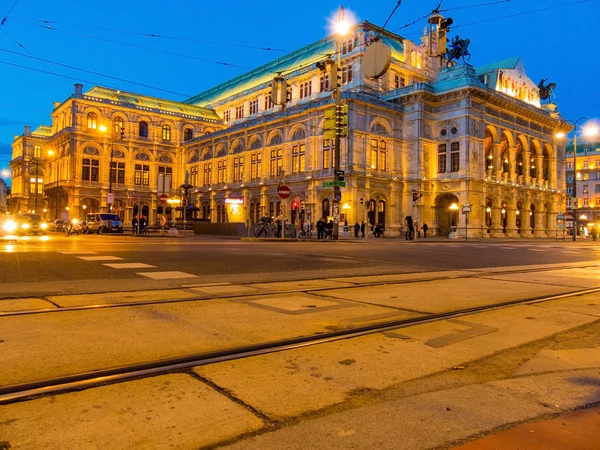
<point x="547" y="360"/>
<point x="444" y="295"/>
<point x="300" y="284"/>
<point x="107" y="298"/>
<point x="583" y="278"/>
<point x="588" y="263"/>
<point x="171" y="411"/>
<point x="590" y="306"/>
<point x="24" y="304"/>
<point x="420" y="422"/>
<point x="325" y="375"/>
<point x="403" y="277"/>
<point x="229" y="289"/>
<point x="79" y="341"/>
<point x="561" y="390"/>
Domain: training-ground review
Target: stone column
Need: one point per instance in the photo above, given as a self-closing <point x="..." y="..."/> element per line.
<point x="511" y="223"/>
<point x="539" y="165"/>
<point x="538" y="227"/>
<point x="513" y="165"/>
<point x="497" y="162"/>
<point x="496" y="230"/>
<point x="526" y="172"/>
<point x="213" y="207"/>
<point x="525" y="223"/>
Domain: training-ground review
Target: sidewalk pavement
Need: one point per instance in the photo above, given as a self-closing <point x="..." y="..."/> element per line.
<point x="579" y="430"/>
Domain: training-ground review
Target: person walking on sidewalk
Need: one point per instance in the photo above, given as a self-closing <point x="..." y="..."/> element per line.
<point x="362" y="229"/>
<point x="356" y="230"/>
<point x="425" y="228"/>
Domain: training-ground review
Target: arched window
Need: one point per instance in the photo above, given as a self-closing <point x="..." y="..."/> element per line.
<point x="119" y="127"/>
<point x="325" y="209"/>
<point x="92" y="120"/>
<point x="166" y="133"/>
<point x="188" y="134"/>
<point x="143" y="131"/>
<point x="520" y="155"/>
<point x="533" y="169"/>
<point x="37" y="151"/>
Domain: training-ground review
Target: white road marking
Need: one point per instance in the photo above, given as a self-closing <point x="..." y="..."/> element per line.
<point x="100" y="258"/>
<point x="166" y="275"/>
<point x="204" y="285"/>
<point x="129" y="265"/>
<point x="79" y="253"/>
<point x="508" y="248"/>
<point x="537" y="249"/>
<point x="570" y="253"/>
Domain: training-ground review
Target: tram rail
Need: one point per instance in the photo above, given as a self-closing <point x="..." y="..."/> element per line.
<point x="86" y="380"/>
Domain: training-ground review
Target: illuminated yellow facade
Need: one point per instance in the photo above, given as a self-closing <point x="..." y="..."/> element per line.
<point x="458" y="135"/>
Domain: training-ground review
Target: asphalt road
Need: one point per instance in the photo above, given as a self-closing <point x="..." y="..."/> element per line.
<point x="33" y="260"/>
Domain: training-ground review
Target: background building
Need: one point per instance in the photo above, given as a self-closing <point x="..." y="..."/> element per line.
<point x="422" y="140"/>
<point x="587" y="185"/>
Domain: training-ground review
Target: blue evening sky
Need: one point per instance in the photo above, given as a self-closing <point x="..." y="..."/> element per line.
<point x="557" y="40"/>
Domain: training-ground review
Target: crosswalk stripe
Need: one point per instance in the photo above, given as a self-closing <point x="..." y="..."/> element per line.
<point x="129" y="266"/>
<point x="100" y="258"/>
<point x="79" y="253"/>
<point x="166" y="275"/>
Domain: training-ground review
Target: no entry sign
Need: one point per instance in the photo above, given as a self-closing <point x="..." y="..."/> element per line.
<point x="164" y="198"/>
<point x="284" y="192"/>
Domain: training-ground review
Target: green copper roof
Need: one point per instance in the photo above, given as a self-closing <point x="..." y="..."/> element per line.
<point x="295" y="61"/>
<point x="43" y="130"/>
<point x="147" y="102"/>
<point x="508" y="63"/>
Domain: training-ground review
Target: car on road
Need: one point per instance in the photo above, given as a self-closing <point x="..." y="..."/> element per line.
<point x="56" y="225"/>
<point x="30" y="223"/>
<point x="103" y="223"/>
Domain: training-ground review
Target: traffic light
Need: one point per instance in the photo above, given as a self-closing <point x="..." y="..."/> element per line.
<point x="361" y="201"/>
<point x="302" y="205"/>
<point x="329" y="66"/>
<point x="342" y="120"/>
<point x="329" y="125"/>
<point x="416" y="196"/>
<point x="294" y="204"/>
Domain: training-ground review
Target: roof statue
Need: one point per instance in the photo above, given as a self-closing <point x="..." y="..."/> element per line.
<point x="546" y="91"/>
<point x="459" y="50"/>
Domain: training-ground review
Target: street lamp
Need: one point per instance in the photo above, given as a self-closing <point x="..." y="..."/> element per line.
<point x="5" y="173"/>
<point x="103" y="129"/>
<point x="341" y="27"/>
<point x="589" y="130"/>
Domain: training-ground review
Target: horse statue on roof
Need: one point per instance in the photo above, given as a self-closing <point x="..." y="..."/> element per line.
<point x="546" y="90"/>
<point x="459" y="49"/>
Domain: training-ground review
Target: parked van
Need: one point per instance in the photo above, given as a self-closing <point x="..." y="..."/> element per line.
<point x="103" y="223"/>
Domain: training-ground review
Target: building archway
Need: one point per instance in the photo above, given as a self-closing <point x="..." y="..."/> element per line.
<point x="381" y="210"/>
<point x="446" y="217"/>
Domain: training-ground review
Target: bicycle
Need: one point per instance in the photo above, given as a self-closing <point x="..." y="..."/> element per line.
<point x="305" y="233"/>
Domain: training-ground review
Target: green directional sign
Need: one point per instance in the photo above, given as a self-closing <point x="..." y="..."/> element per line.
<point x="334" y="183"/>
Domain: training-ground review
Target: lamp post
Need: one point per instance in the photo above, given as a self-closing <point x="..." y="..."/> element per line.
<point x="103" y="129"/>
<point x="342" y="26"/>
<point x="590" y="130"/>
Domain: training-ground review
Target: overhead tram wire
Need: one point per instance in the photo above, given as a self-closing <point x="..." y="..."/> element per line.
<point x="23" y="47"/>
<point x="27" y="21"/>
<point x="8" y="13"/>
<point x="144" y="47"/>
<point x="69" y="77"/>
<point x="96" y="73"/>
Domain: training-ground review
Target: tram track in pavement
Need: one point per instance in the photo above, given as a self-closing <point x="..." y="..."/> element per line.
<point x="86" y="380"/>
<point x="471" y="273"/>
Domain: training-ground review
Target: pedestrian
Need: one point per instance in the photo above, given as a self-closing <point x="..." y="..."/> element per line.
<point x="411" y="227"/>
<point x="134" y="224"/>
<point x="320" y="229"/>
<point x="362" y="229"/>
<point x="329" y="230"/>
<point x="425" y="228"/>
<point x="279" y="220"/>
<point x="377" y="231"/>
<point x="356" y="230"/>
<point x="143" y="224"/>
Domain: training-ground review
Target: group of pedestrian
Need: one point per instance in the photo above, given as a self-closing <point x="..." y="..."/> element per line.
<point x="359" y="228"/>
<point x="142" y="223"/>
<point x="410" y="229"/>
<point x="324" y="229"/>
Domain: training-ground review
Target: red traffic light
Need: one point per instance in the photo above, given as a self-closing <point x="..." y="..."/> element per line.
<point x="294" y="205"/>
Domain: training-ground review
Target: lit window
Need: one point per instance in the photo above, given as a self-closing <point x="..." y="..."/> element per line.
<point x="166" y="133"/>
<point x="256" y="166"/>
<point x="222" y="171"/>
<point x="238" y="169"/>
<point x="141" y="176"/>
<point x="207" y="174"/>
<point x="378" y="154"/>
<point x="327" y="153"/>
<point x="37" y="151"/>
<point x="276" y="162"/>
<point x="119" y="126"/>
<point x="298" y="158"/>
<point x="92" y="119"/>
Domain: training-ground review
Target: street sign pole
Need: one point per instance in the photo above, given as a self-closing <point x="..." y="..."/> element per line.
<point x="466" y="210"/>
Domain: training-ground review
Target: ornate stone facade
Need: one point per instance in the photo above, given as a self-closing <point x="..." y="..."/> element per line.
<point x="451" y="136"/>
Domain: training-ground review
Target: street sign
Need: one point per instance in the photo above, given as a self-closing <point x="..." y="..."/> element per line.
<point x="328" y="184"/>
<point x="466" y="209"/>
<point x="334" y="183"/>
<point x="110" y="198"/>
<point x="337" y="196"/>
<point x="164" y="198"/>
<point x="284" y="192"/>
<point x="560" y="216"/>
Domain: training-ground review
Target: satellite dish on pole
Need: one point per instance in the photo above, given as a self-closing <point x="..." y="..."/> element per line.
<point x="376" y="59"/>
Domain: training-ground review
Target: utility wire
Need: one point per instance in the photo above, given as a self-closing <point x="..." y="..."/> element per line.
<point x="522" y="13"/>
<point x="8" y="13"/>
<point x="27" y="21"/>
<point x="94" y="73"/>
<point x="72" y="78"/>
<point x="23" y="47"/>
<point x="48" y="27"/>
